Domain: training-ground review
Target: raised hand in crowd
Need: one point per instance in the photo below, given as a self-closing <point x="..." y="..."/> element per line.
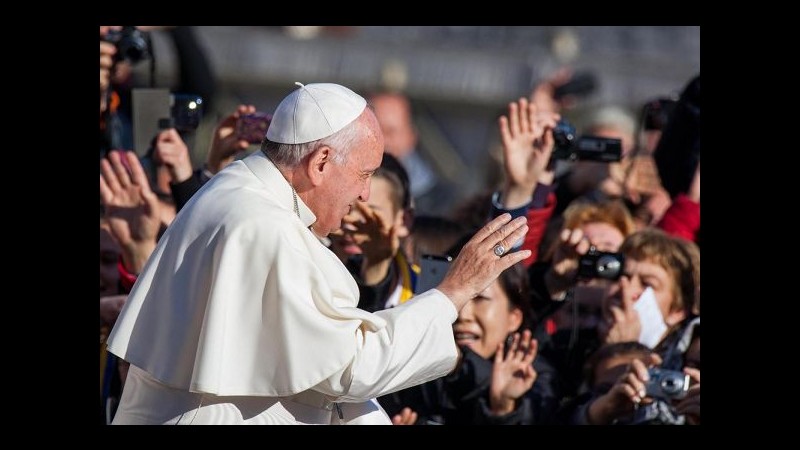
<point x="621" y="321"/>
<point x="527" y="146"/>
<point x="627" y="393"/>
<point x="406" y="417"/>
<point x="132" y="209"/>
<point x="690" y="405"/>
<point x="171" y="151"/>
<point x="512" y="373"/>
<point x="225" y="143"/>
<point x="378" y="240"/>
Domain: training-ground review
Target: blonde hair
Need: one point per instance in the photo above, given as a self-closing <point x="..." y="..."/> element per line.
<point x="578" y="214"/>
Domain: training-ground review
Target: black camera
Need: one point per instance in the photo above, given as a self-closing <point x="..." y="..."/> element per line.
<point x="597" y="264"/>
<point x="667" y="384"/>
<point x="586" y="148"/>
<point x="132" y="44"/>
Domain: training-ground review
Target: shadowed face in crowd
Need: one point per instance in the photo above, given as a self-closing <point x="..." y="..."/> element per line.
<point x="394" y="115"/>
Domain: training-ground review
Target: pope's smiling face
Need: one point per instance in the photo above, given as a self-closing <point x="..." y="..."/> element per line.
<point x="347" y="182"/>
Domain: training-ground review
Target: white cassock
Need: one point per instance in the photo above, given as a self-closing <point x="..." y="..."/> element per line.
<point x="241" y="315"/>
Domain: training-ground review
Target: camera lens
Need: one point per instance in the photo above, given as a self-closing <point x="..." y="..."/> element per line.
<point x="131" y="44"/>
<point x="672" y="385"/>
<point x="608" y="266"/>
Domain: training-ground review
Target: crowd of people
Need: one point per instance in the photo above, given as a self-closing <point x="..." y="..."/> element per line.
<point x="279" y="284"/>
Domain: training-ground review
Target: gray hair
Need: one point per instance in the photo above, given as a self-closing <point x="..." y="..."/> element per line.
<point x="290" y="155"/>
<point x="612" y="117"/>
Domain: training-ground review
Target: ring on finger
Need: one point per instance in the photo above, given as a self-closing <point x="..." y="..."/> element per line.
<point x="499" y="250"/>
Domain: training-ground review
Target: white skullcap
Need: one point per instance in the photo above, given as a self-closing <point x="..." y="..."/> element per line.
<point x="313" y="112"/>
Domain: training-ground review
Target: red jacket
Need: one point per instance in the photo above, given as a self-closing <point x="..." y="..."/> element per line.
<point x="537" y="224"/>
<point x="682" y="219"/>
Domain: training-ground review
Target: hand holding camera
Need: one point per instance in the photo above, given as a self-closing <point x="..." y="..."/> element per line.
<point x="226" y="142"/>
<point x="563" y="272"/>
<point x="626" y="395"/>
<point x="172" y="152"/>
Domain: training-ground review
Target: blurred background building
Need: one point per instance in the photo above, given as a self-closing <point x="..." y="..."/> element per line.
<point x="459" y="78"/>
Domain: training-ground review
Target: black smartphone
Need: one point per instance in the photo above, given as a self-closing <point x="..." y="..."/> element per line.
<point x="433" y="268"/>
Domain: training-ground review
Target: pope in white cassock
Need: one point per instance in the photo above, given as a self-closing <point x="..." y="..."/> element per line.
<point x="243" y="316"/>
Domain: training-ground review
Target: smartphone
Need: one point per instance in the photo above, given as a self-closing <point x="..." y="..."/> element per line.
<point x="253" y="127"/>
<point x="433" y="268"/>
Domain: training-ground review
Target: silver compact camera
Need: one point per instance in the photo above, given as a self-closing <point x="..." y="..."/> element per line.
<point x="667" y="384"/>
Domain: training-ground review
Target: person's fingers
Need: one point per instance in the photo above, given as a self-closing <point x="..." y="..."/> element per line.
<point x="638" y="386"/>
<point x="524" y="346"/>
<point x="107" y="48"/>
<point x="565" y="234"/>
<point x="493" y="225"/>
<point x="654" y="360"/>
<point x="499" y="354"/>
<point x="693" y="373"/>
<point x="533" y="125"/>
<point x="412" y="418"/>
<point x="583" y="246"/>
<point x="137" y="173"/>
<point x="105" y="192"/>
<point x="509" y="259"/>
<point x="119" y="169"/>
<point x="512" y="349"/>
<point x="507" y="235"/>
<point x="629" y="392"/>
<point x="513" y="118"/>
<point x="524" y="118"/>
<point x="109" y="175"/>
<point x="617" y="315"/>
<point x="627" y="295"/>
<point x="575" y="237"/>
<point x="505" y="132"/>
<point x="368" y="213"/>
<point x="397" y="419"/>
<point x="639" y="370"/>
<point x="533" y="350"/>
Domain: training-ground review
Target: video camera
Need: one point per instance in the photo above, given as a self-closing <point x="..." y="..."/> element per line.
<point x="586" y="148"/>
<point x="132" y="44"/>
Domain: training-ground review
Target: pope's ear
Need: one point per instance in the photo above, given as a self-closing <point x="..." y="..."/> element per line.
<point x="318" y="164"/>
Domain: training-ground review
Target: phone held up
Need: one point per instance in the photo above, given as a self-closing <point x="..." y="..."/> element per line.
<point x="433" y="268"/>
